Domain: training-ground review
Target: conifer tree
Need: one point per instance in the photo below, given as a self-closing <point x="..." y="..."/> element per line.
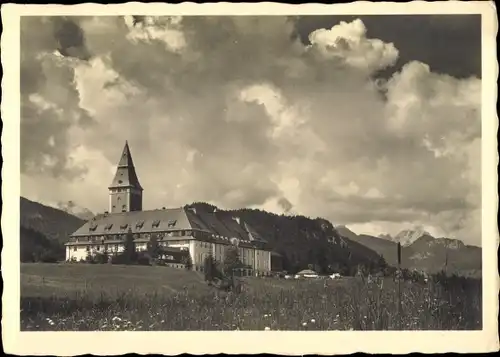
<point x="129" y="253"/>
<point x="154" y="248"/>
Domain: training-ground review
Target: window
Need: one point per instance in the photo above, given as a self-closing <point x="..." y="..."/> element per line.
<point x="124" y="226"/>
<point x="156" y="223"/>
<point x="88" y="248"/>
<point x="172" y="223"/>
<point x="108" y="226"/>
<point x="98" y="248"/>
<point x="139" y="224"/>
<point x="74" y="249"/>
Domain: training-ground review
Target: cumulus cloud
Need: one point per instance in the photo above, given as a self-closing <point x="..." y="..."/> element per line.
<point x="238" y="112"/>
<point x="347" y="42"/>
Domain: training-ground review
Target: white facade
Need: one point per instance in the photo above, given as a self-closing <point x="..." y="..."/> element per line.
<point x="80" y="251"/>
<point x="256" y="259"/>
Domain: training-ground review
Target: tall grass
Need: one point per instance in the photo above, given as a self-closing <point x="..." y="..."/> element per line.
<point x="263" y="304"/>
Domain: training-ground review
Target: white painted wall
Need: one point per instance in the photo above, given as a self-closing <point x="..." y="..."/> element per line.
<point x="259" y="260"/>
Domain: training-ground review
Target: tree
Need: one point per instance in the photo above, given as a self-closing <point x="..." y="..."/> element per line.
<point x="381" y="264"/>
<point x="188" y="262"/>
<point x="154" y="248"/>
<point x="231" y="260"/>
<point x="129" y="252"/>
<point x="285" y="262"/>
<point x="209" y="268"/>
<point x="322" y="261"/>
<point x="88" y="257"/>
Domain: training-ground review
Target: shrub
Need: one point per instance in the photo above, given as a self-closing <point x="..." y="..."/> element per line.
<point x="100" y="258"/>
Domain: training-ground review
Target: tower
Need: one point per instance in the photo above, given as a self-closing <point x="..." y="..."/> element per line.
<point x="125" y="192"/>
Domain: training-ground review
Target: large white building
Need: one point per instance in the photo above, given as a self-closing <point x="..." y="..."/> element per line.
<point x="180" y="231"/>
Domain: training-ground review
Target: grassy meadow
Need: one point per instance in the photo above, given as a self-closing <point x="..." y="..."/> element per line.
<point x="81" y="297"/>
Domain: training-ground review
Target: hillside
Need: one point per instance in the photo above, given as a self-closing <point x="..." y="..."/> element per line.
<point x="425" y="253"/>
<point x="51" y="222"/>
<point x="384" y="247"/>
<point x="303" y="241"/>
<point x="44" y="230"/>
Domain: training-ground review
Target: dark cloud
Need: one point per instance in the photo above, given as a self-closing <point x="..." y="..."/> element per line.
<point x="70" y="39"/>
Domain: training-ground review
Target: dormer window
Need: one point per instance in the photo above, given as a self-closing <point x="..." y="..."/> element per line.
<point x="108" y="226"/>
<point x="124" y="226"/>
<point x="93" y="227"/>
<point x="139" y="224"/>
<point x="172" y="223"/>
<point x="156" y="223"/>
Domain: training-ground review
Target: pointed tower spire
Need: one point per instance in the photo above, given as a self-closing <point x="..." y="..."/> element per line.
<point x="125" y="190"/>
<point x="126" y="158"/>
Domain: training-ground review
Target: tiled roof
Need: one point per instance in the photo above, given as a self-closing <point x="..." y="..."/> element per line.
<point x="125" y="173"/>
<point x="138" y="221"/>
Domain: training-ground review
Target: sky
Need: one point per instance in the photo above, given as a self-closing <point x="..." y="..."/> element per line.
<point x="372" y="122"/>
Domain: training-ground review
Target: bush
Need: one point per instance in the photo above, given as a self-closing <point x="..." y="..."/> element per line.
<point x="143" y="258"/>
<point x="100" y="258"/>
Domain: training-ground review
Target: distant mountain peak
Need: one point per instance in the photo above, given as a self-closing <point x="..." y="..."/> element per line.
<point x="385" y="236"/>
<point x="72" y="208"/>
<point x="409" y="236"/>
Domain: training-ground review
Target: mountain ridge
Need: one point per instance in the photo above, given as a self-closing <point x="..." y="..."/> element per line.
<point x="426" y="253"/>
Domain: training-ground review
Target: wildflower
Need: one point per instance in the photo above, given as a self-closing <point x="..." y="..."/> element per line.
<point x="304" y="324"/>
<point x="313" y="320"/>
<point x="265" y="315"/>
<point x="116" y="318"/>
<point x="267" y="328"/>
<point x="104" y="326"/>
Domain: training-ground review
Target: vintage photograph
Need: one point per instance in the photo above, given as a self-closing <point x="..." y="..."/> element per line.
<point x="288" y="170"/>
<point x="250" y="173"/>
